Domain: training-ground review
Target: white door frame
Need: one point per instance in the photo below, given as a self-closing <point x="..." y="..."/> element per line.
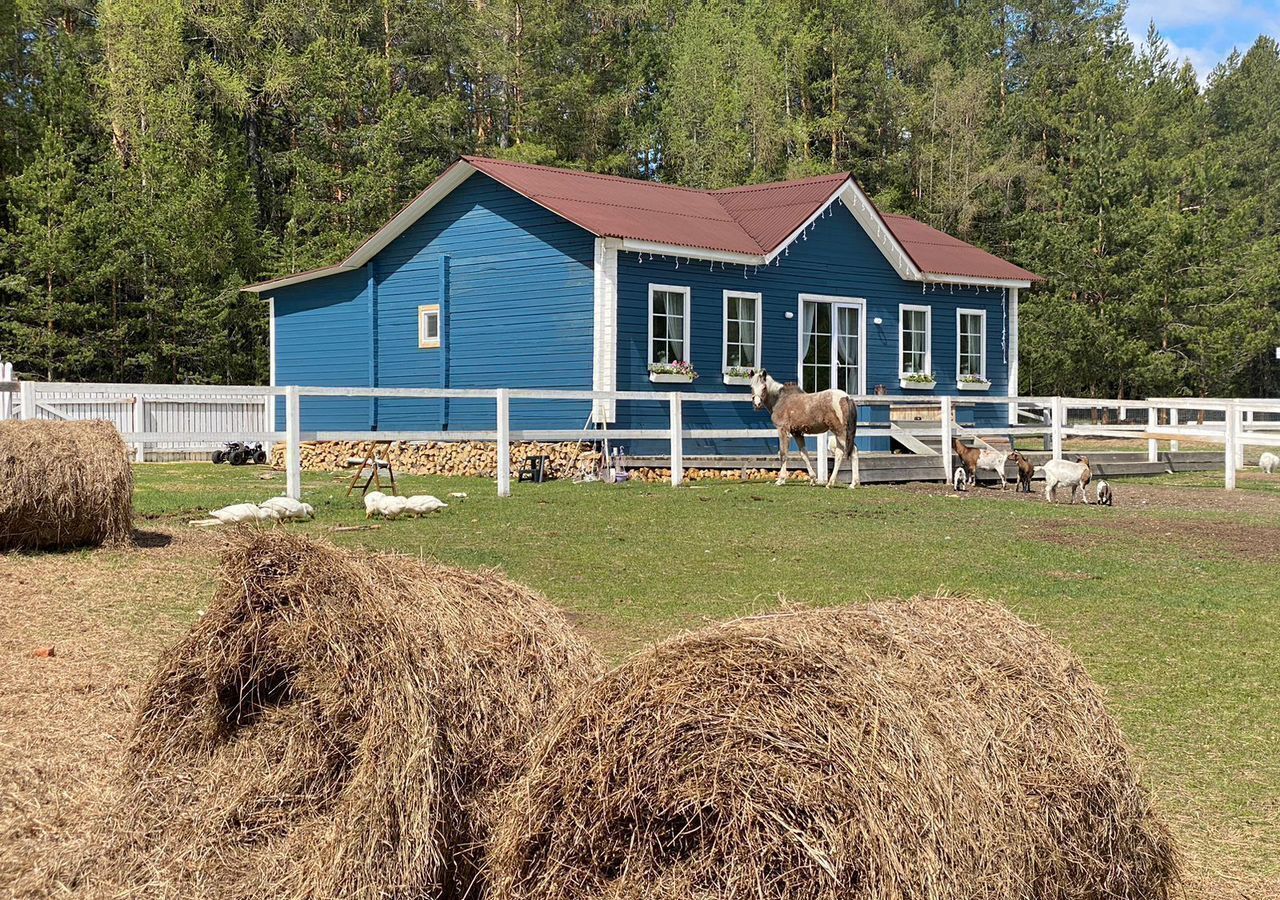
<point x="858" y="303"/>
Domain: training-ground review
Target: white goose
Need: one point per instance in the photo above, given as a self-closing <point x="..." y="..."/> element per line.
<point x="237" y="514"/>
<point x="288" y="508"/>
<point x="377" y="503"/>
<point x="421" y="504"/>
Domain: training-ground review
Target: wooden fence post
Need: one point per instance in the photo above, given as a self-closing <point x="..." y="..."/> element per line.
<point x="824" y="463"/>
<point x="948" y="468"/>
<point x="6" y="398"/>
<point x="268" y="419"/>
<point x="1174" y="446"/>
<point x="27" y="400"/>
<point x="293" y="442"/>
<point x="677" y="441"/>
<point x="1230" y="439"/>
<point x="1153" y="422"/>
<point x="1059" y="413"/>
<point x="1243" y="429"/>
<point x="139" y="426"/>
<point x="504" y="442"/>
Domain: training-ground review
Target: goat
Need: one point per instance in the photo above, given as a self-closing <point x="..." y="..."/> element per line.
<point x="1104" y="493"/>
<point x="1269" y="462"/>
<point x="1026" y="471"/>
<point x="1064" y="473"/>
<point x="960" y="480"/>
<point x="973" y="459"/>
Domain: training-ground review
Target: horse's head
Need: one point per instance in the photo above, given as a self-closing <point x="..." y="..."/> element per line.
<point x="759" y="388"/>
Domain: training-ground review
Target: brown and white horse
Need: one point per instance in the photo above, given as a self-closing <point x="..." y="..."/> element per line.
<point x="797" y="413"/>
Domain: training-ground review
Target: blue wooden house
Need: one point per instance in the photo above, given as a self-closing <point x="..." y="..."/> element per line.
<point x="503" y="274"/>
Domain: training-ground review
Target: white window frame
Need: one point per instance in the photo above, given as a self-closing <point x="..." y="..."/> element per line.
<point x="425" y="312"/>
<point x="982" y="341"/>
<point x="928" y="337"/>
<point x="861" y="304"/>
<point x="724" y="333"/>
<point x="688" y="318"/>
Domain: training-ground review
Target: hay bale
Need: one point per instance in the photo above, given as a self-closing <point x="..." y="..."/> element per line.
<point x="63" y="485"/>
<point x="336" y="725"/>
<point x="923" y="749"/>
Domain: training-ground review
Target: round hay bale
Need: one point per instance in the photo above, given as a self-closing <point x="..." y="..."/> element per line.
<point x="337" y="725"/>
<point x="63" y="485"/>
<point x="922" y="749"/>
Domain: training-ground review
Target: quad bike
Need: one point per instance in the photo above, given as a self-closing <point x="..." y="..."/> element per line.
<point x="238" y="453"/>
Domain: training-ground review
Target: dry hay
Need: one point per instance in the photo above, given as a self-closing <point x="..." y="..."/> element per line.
<point x="63" y="484"/>
<point x="336" y="725"/>
<point x="934" y="748"/>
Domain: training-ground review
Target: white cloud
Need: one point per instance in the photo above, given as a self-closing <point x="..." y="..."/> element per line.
<point x="1202" y="59"/>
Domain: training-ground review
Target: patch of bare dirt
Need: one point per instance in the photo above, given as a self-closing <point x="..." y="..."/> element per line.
<point x="105" y="614"/>
<point x="1128" y="495"/>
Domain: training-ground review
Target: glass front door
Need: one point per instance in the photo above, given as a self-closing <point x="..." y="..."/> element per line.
<point x="831" y="345"/>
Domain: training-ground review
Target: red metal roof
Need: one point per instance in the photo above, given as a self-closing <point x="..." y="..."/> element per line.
<point x="753" y="220"/>
<point x="938" y="253"/>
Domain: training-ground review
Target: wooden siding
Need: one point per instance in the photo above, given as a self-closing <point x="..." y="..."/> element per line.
<point x="514" y="285"/>
<point x="322" y="338"/>
<point x="837" y="259"/>
<point x="514" y="282"/>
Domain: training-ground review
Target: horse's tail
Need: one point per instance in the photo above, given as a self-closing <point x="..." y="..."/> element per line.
<point x="850" y="408"/>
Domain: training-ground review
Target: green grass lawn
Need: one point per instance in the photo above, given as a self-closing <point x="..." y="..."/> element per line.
<point x="1172" y="606"/>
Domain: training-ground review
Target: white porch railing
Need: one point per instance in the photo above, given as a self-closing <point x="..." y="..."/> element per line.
<point x="190" y="417"/>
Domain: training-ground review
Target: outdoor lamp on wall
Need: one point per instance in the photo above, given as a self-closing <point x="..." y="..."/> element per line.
<point x="878" y="321"/>
<point x="790" y="315"/>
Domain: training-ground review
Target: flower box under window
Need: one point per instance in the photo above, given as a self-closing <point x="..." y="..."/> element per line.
<point x="917" y="382"/>
<point x="968" y="383"/>
<point x="737" y="375"/>
<point x="672" y="373"/>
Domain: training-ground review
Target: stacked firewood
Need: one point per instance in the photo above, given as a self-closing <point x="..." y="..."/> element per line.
<point x="658" y="475"/>
<point x="450" y="459"/>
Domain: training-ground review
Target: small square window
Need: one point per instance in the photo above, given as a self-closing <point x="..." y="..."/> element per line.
<point x="429" y="326"/>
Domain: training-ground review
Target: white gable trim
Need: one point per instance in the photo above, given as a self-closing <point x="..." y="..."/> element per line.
<point x="271" y="343"/>
<point x="821" y="210"/>
<point x="869" y="218"/>
<point x="604" y="369"/>
<point x="1012" y="350"/>
<point x="849" y="193"/>
<point x="416" y="209"/>
<point x="721" y="256"/>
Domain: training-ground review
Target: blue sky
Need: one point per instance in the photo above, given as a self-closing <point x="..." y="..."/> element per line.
<point x="1204" y="31"/>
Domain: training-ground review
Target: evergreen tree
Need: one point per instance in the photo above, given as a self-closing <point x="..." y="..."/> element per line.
<point x="157" y="154"/>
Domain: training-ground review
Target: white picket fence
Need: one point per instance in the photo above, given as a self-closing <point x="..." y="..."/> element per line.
<point x="196" y="419"/>
<point x="174" y="419"/>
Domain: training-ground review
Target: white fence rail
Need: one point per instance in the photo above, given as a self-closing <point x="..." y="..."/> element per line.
<point x="182" y="418"/>
<point x="163" y="421"/>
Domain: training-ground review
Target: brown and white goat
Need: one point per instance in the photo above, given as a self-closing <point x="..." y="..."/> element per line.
<point x="973" y="459"/>
<point x="1064" y="473"/>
